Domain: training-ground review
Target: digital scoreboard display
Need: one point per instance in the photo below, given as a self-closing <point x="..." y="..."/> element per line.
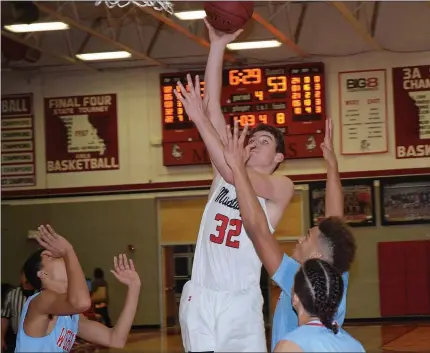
<point x="289" y="97"/>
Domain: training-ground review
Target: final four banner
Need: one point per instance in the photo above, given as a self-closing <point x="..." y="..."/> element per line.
<point x="411" y="96"/>
<point x="18" y="167"/>
<point x="81" y="133"/>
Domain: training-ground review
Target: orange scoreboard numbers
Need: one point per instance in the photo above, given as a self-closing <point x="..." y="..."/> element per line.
<point x="289" y="97"/>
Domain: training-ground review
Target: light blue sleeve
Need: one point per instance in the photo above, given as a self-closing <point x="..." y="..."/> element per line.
<point x="284" y="275"/>
<point x="341" y="311"/>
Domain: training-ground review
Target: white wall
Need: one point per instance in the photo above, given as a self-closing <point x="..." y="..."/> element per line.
<point x="139" y="122"/>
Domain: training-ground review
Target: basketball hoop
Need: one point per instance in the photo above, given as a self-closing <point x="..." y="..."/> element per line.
<point x="159" y="5"/>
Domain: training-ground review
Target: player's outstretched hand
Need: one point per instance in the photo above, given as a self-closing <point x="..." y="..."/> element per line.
<point x="221" y="37"/>
<point x="55" y="244"/>
<point x="192" y="100"/>
<point x="235" y="154"/>
<point x="124" y="271"/>
<point x="327" y="145"/>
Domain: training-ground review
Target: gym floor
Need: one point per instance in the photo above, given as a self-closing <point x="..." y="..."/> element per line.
<point x="408" y="337"/>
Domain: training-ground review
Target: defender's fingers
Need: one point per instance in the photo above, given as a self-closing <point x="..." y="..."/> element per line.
<point x="243" y="134"/>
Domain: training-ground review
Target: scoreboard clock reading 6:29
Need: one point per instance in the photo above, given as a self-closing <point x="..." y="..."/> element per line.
<point x="289" y="97"/>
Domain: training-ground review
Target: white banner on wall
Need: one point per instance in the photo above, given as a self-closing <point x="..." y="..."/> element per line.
<point x="363" y="112"/>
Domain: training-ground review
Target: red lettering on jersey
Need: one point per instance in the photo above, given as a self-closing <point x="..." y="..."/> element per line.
<point x="66" y="339"/>
<point x="235" y="228"/>
<point x="61" y="338"/>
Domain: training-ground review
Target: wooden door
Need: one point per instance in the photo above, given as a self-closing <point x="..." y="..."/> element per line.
<point x="170" y="307"/>
<point x="287" y="247"/>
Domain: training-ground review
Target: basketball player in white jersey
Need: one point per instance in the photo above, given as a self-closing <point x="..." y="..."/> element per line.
<point x="332" y="240"/>
<point x="52" y="318"/>
<point x="221" y="307"/>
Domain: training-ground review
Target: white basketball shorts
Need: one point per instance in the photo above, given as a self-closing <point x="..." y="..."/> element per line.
<point x="222" y="321"/>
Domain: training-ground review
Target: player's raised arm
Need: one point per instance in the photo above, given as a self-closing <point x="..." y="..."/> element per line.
<point x="115" y="337"/>
<point x="252" y="214"/>
<point x="213" y="76"/>
<point x="334" y="194"/>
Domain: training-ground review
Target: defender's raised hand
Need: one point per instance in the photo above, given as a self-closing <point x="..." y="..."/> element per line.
<point x="124" y="271"/>
<point x="192" y="101"/>
<point x="53" y="242"/>
<point x="235" y="154"/>
<point x="327" y="145"/>
<point x="221" y="37"/>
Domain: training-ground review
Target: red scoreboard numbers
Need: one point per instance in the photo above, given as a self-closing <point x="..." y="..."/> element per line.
<point x="289" y="97"/>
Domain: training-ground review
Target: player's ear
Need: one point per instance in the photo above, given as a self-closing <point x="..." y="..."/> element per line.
<point x="279" y="157"/>
<point x="42" y="274"/>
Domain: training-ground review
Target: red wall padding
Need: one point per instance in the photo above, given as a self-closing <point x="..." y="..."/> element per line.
<point x="404" y="278"/>
<point x="392" y="279"/>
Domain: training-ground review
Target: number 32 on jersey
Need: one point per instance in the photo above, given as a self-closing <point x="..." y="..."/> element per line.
<point x="234" y="229"/>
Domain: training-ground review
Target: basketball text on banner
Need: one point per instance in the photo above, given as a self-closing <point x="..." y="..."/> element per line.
<point x="81" y="133"/>
<point x="18" y="167"/>
<point x="363" y="112"/>
<point x="411" y="95"/>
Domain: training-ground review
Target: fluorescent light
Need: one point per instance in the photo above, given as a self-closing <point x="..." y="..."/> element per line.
<point x="260" y="44"/>
<point x="37" y="27"/>
<point x="109" y="55"/>
<point x="191" y="15"/>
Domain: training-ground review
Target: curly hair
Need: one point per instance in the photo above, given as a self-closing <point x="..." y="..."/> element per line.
<point x="338" y="237"/>
<point x="319" y="286"/>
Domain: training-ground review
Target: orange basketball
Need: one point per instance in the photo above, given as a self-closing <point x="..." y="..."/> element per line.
<point x="229" y="16"/>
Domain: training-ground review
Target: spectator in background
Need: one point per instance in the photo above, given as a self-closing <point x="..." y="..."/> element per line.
<point x="100" y="297"/>
<point x="11" y="312"/>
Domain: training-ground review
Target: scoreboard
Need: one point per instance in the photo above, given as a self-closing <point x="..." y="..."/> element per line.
<point x="289" y="97"/>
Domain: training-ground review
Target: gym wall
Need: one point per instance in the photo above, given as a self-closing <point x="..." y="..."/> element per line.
<point x="100" y="226"/>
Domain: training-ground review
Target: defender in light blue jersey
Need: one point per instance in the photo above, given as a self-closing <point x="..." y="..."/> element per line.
<point x="316" y="295"/>
<point x="332" y="240"/>
<point x="51" y="319"/>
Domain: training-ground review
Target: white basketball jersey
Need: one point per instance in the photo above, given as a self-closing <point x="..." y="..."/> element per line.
<point x="225" y="258"/>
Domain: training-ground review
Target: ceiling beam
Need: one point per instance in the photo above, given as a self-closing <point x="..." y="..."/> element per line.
<point x="177" y="27"/>
<point x="49" y="52"/>
<point x="375" y="15"/>
<point x="354" y="22"/>
<point x="278" y="34"/>
<point x="73" y="23"/>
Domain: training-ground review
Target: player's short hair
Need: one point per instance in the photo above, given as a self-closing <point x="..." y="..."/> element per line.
<point x="31" y="267"/>
<point x="319" y="287"/>
<point x="275" y="132"/>
<point x="338" y="237"/>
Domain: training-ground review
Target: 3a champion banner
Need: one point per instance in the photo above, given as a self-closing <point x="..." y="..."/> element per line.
<point x="411" y="95"/>
<point x="81" y="133"/>
<point x="18" y="167"/>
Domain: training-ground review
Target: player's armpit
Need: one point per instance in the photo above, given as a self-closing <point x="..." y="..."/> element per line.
<point x="51" y="303"/>
<point x="287" y="346"/>
<point x="276" y="188"/>
<point x="97" y="333"/>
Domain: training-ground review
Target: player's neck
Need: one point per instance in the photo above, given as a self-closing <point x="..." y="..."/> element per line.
<point x="305" y="318"/>
<point x="263" y="170"/>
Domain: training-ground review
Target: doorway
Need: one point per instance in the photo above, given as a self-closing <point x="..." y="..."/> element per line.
<point x="177" y="266"/>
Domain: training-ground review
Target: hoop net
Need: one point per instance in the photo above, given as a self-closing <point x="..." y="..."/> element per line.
<point x="159" y="5"/>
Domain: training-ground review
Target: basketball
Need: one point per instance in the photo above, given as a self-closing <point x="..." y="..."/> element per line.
<point x="229" y="16"/>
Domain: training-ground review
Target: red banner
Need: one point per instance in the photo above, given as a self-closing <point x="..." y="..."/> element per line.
<point x="81" y="133"/>
<point x="411" y="90"/>
<point x="18" y="167"/>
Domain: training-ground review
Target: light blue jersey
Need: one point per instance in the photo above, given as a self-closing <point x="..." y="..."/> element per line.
<point x="285" y="319"/>
<point x="61" y="339"/>
<point x="315" y="337"/>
